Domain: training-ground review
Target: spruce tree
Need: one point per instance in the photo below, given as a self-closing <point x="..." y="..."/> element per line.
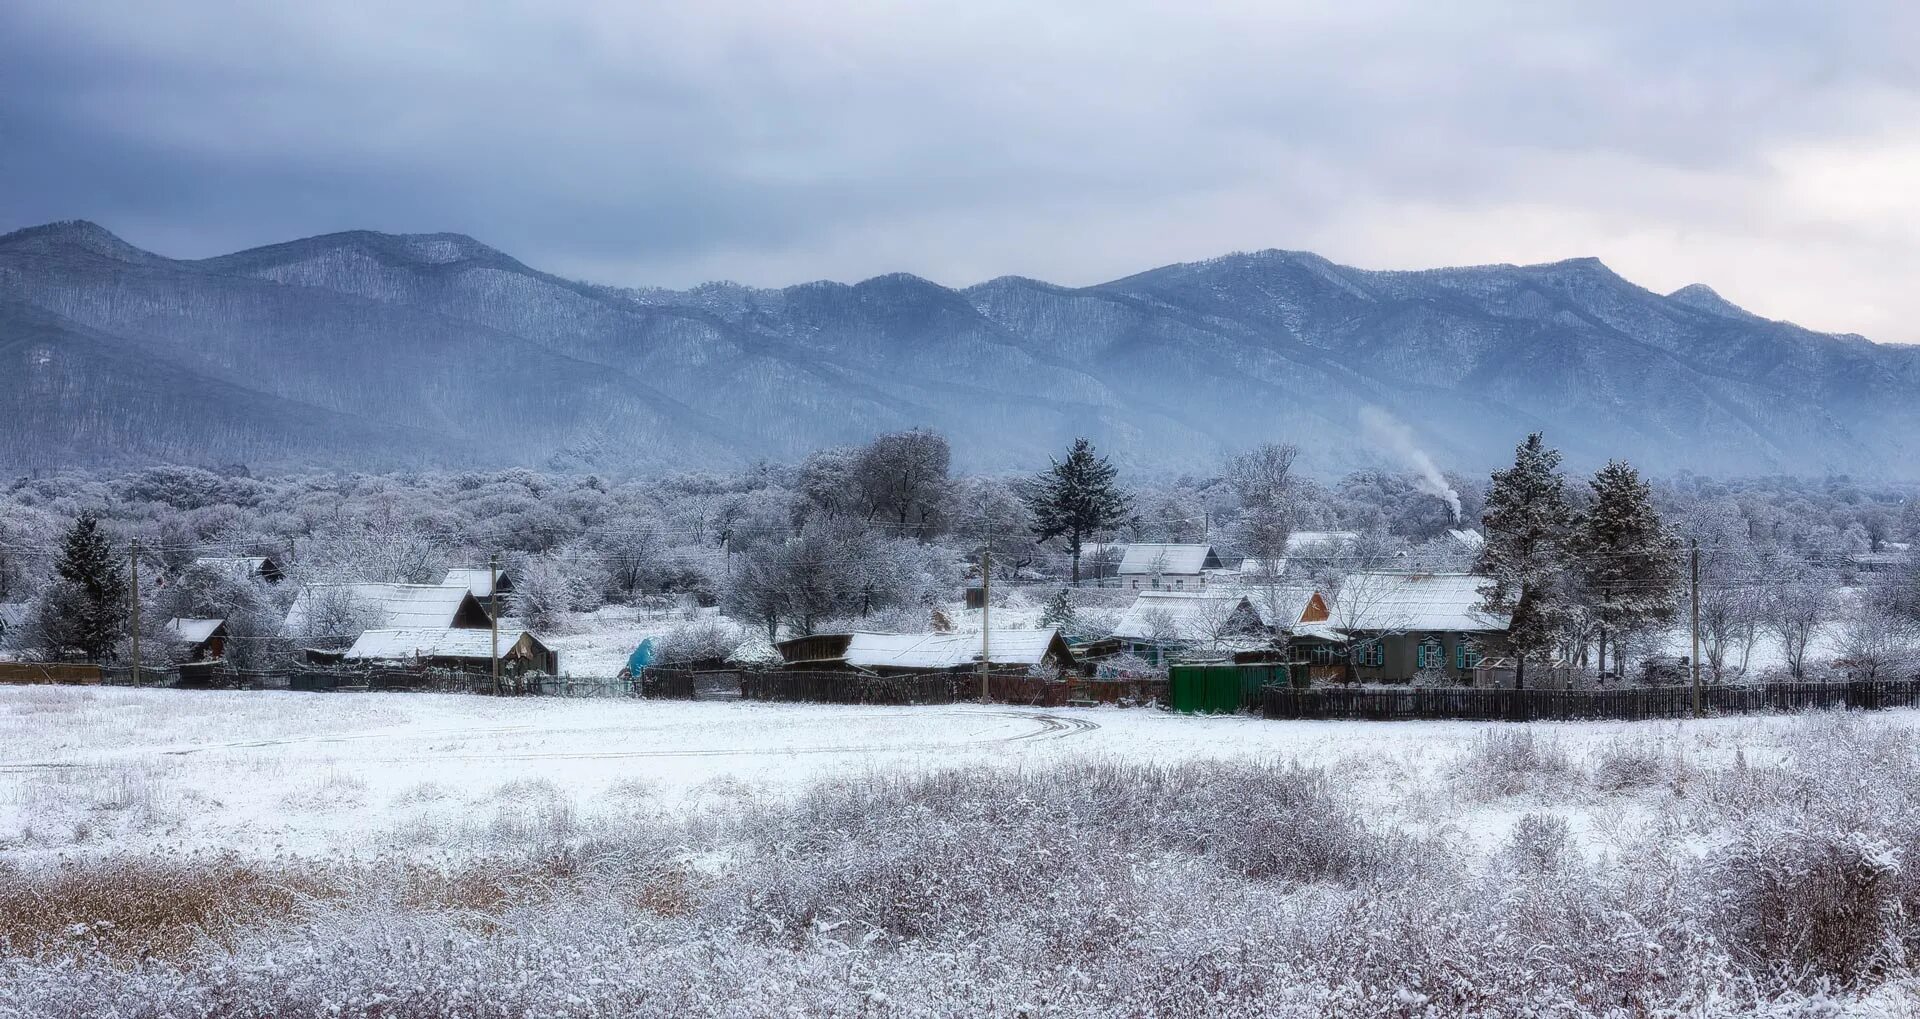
<point x="88" y="562"/>
<point x="1629" y="564"/>
<point x="1059" y="611"/>
<point x="1529" y="530"/>
<point x="1077" y="498"/>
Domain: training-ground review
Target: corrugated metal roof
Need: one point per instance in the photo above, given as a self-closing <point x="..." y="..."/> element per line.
<point x="429" y="642"/>
<point x="427" y="606"/>
<point x="193" y="631"/>
<point x="1414" y="601"/>
<point x="1184" y="615"/>
<point x="1144" y="558"/>
<point x="946" y="650"/>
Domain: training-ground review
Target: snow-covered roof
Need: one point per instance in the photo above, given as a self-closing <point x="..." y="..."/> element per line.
<point x="1414" y="601"/>
<point x="1187" y="615"/>
<point x="193" y="631"/>
<point x="431" y="642"/>
<point x="393" y="606"/>
<point x="947" y="650"/>
<point x="1467" y="536"/>
<point x="477" y="581"/>
<point x="13" y="613"/>
<point x="1319" y="631"/>
<point x="1157" y="557"/>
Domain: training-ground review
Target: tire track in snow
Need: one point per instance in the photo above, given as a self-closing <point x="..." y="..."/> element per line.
<point x="1050" y="728"/>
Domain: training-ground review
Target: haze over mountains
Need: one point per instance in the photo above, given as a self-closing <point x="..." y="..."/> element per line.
<point x="369" y="351"/>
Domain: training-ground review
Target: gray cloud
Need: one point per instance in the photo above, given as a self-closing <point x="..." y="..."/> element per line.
<point x="1767" y="151"/>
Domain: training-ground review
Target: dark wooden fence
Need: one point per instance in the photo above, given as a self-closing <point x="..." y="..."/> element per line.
<point x="827" y="687"/>
<point x="1435" y="704"/>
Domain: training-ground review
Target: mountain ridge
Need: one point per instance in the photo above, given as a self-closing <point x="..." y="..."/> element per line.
<point x="442" y="335"/>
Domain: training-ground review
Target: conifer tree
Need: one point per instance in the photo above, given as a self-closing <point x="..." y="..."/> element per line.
<point x="1059" y="612"/>
<point x="1077" y="498"/>
<point x="88" y="563"/>
<point x="1629" y="562"/>
<point x="1530" y="527"/>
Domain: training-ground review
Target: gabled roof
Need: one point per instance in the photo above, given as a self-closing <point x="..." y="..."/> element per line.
<point x="394" y="645"/>
<point x="1145" y="558"/>
<point x="941" y="650"/>
<point x="1188" y="616"/>
<point x="194" y="631"/>
<point x="1280" y="606"/>
<point x="393" y="606"/>
<point x="478" y="581"/>
<point x="13" y="613"/>
<point x="1467" y="537"/>
<point x="1414" y="601"/>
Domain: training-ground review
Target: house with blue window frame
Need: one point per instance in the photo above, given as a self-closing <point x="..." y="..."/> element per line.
<point x="1394" y="626"/>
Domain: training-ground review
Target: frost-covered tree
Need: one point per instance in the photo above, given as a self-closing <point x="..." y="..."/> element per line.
<point x="902" y="477"/>
<point x="1796" y="608"/>
<point x="1529" y="530"/>
<point x="1876" y="641"/>
<point x="1077" y="498"/>
<point x="1628" y="561"/>
<point x="1262" y="478"/>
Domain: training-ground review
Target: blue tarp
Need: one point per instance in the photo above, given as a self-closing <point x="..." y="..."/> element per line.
<point x="641" y="658"/>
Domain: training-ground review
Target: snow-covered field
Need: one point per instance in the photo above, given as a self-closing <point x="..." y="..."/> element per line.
<point x="176" y="853"/>
<point x="97" y="770"/>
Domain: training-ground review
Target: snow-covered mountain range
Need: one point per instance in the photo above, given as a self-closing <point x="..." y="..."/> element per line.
<point x="367" y="350"/>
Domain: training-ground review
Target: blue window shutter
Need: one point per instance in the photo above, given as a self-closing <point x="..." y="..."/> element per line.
<point x="1460" y="655"/>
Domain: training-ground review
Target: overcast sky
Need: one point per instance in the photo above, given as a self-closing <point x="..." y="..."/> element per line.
<point x="1770" y="150"/>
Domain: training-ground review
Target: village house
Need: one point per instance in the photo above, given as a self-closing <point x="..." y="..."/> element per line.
<point x="200" y="640"/>
<point x="318" y="608"/>
<point x="1401" y="624"/>
<point x="466" y="650"/>
<point x="900" y="653"/>
<point x="1241" y="621"/>
<point x="1315" y="544"/>
<point x="1159" y="566"/>
<point x="1165" y="624"/>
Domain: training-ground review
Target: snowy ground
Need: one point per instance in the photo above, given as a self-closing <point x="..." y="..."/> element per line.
<point x="95" y="770"/>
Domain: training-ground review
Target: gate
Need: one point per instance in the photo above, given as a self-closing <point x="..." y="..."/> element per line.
<point x="1222" y="689"/>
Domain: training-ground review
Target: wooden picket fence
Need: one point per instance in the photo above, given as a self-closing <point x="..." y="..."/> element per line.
<point x="1631" y="704"/>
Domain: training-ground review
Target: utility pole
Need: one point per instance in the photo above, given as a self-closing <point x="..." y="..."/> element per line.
<point x="1694" y="662"/>
<point x="134" y="555"/>
<point x="986" y="607"/>
<point x="493" y="615"/>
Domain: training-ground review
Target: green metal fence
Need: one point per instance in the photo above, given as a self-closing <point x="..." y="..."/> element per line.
<point x="1222" y="689"/>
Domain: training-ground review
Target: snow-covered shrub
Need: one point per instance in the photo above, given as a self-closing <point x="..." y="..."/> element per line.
<point x="1539" y="843"/>
<point x="1624" y="764"/>
<point x="1431" y="678"/>
<point x="1511" y="760"/>
<point x="1811" y="903"/>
